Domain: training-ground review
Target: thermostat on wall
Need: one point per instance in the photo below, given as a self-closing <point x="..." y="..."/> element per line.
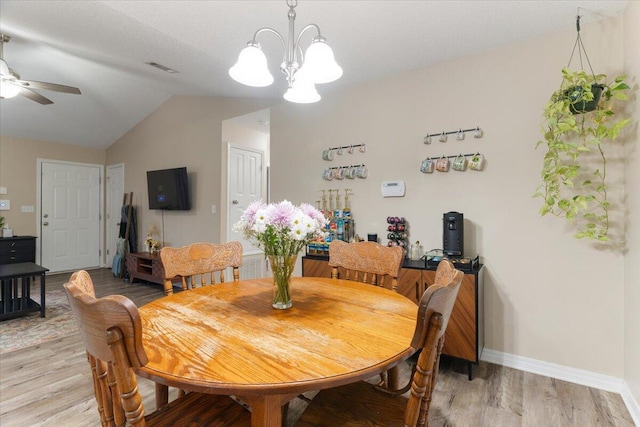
<point x="392" y="188"/>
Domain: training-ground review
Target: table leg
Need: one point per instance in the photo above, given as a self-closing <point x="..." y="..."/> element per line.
<point x="162" y="395"/>
<point x="6" y="294"/>
<point x="266" y="410"/>
<point x="24" y="297"/>
<point x="14" y="296"/>
<point x="393" y="378"/>
<point x="42" y="291"/>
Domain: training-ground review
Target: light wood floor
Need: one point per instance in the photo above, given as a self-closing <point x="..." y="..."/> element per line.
<point x="50" y="385"/>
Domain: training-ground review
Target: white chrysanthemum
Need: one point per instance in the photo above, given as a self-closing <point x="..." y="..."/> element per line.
<point x="298" y="226"/>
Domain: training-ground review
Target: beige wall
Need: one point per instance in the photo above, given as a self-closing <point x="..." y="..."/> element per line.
<point x="18" y="172"/>
<point x="545" y="291"/>
<point x="185" y="131"/>
<point x="632" y="186"/>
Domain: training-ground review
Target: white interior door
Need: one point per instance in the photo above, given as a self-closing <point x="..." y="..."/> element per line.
<point x="70" y="216"/>
<point x="115" y="194"/>
<point x="245" y="172"/>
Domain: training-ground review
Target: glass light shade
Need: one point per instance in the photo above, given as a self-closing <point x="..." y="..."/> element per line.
<point x="251" y="68"/>
<point x="7" y="90"/>
<point x="320" y="64"/>
<point x="303" y="91"/>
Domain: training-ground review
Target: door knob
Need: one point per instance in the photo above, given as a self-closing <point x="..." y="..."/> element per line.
<point x="45" y="223"/>
<point x="235" y="202"/>
<point x="46" y="215"/>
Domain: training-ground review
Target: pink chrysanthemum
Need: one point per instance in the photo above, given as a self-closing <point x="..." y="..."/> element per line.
<point x="249" y="214"/>
<point x="281" y="214"/>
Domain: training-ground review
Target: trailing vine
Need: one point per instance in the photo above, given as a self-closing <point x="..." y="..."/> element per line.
<point x="574" y="170"/>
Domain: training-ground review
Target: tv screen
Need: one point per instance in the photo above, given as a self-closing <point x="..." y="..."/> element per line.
<point x="169" y="189"/>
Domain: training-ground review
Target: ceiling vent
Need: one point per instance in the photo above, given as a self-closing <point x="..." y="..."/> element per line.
<point x="162" y="67"/>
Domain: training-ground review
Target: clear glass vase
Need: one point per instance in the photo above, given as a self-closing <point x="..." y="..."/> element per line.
<point x="282" y="268"/>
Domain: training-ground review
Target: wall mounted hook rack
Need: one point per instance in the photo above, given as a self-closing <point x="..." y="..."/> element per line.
<point x="477" y="133"/>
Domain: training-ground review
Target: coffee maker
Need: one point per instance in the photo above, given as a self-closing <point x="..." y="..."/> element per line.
<point x="453" y="234"/>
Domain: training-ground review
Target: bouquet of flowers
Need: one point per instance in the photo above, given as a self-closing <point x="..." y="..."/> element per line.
<point x="281" y="228"/>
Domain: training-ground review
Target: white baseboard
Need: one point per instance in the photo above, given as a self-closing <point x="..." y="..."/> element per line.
<point x="565" y="373"/>
<point x="631" y="403"/>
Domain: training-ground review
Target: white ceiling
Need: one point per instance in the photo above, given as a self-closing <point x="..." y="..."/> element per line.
<point x="101" y="47"/>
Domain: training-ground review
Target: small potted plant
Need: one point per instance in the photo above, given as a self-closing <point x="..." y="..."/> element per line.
<point x="578" y="122"/>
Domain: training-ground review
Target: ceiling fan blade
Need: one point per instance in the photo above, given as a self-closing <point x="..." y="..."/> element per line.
<point x="35" y="96"/>
<point x="29" y="84"/>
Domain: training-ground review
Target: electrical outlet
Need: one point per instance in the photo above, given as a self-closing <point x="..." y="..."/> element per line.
<point x="213" y="209"/>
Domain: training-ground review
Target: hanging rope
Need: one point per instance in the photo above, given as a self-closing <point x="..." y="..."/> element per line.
<point x="581" y="49"/>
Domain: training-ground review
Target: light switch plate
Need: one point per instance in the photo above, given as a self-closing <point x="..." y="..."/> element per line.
<point x="5" y="205"/>
<point x="3" y="190"/>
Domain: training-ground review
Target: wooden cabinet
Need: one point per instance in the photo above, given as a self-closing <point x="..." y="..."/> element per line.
<point x="315" y="267"/>
<point x="17" y="249"/>
<point x="145" y="266"/>
<point x="464" y="338"/>
<point x="411" y="284"/>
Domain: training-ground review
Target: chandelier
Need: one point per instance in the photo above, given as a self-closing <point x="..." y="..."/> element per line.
<point x="302" y="72"/>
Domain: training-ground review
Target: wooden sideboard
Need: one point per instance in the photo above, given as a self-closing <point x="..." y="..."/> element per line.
<point x="145" y="266"/>
<point x="17" y="249"/>
<point x="465" y="332"/>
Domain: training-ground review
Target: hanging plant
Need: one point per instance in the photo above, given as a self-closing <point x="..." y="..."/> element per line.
<point x="579" y="121"/>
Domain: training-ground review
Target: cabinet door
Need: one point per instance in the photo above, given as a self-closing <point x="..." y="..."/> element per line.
<point x="461" y="336"/>
<point x="315" y="268"/>
<point x="410" y="284"/>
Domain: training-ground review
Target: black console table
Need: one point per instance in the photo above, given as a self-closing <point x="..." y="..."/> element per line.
<point x="15" y="292"/>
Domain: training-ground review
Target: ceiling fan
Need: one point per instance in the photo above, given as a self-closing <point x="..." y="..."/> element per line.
<point x="11" y="84"/>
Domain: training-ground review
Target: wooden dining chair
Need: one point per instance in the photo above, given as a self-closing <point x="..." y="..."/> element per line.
<point x="112" y="333"/>
<point x="198" y="263"/>
<point x="366" y="262"/>
<point x="365" y="404"/>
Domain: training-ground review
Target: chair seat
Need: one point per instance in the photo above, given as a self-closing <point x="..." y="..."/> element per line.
<point x="197" y="409"/>
<point x="358" y="404"/>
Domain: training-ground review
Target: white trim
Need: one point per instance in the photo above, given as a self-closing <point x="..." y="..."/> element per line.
<point x="565" y="373"/>
<point x="632" y="405"/>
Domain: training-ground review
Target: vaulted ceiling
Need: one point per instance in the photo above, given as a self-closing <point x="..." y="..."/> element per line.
<point x="102" y="47"/>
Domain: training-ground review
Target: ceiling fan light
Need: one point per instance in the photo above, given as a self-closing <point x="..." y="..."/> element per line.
<point x="4" y="69"/>
<point x="251" y="68"/>
<point x="8" y="90"/>
<point x="303" y="91"/>
<point x="320" y="63"/>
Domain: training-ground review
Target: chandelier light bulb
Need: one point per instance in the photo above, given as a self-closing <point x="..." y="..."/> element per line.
<point x="251" y="68"/>
<point x="320" y="62"/>
<point x="303" y="90"/>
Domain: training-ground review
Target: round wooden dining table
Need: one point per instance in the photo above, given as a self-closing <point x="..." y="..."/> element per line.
<point x="228" y="339"/>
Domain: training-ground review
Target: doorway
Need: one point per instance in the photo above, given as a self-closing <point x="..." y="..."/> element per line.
<point x="247" y="164"/>
<point x="245" y="186"/>
<point x="69" y="206"/>
<point x="115" y="193"/>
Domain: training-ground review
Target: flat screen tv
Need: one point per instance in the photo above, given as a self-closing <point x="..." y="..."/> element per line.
<point x="169" y="189"/>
